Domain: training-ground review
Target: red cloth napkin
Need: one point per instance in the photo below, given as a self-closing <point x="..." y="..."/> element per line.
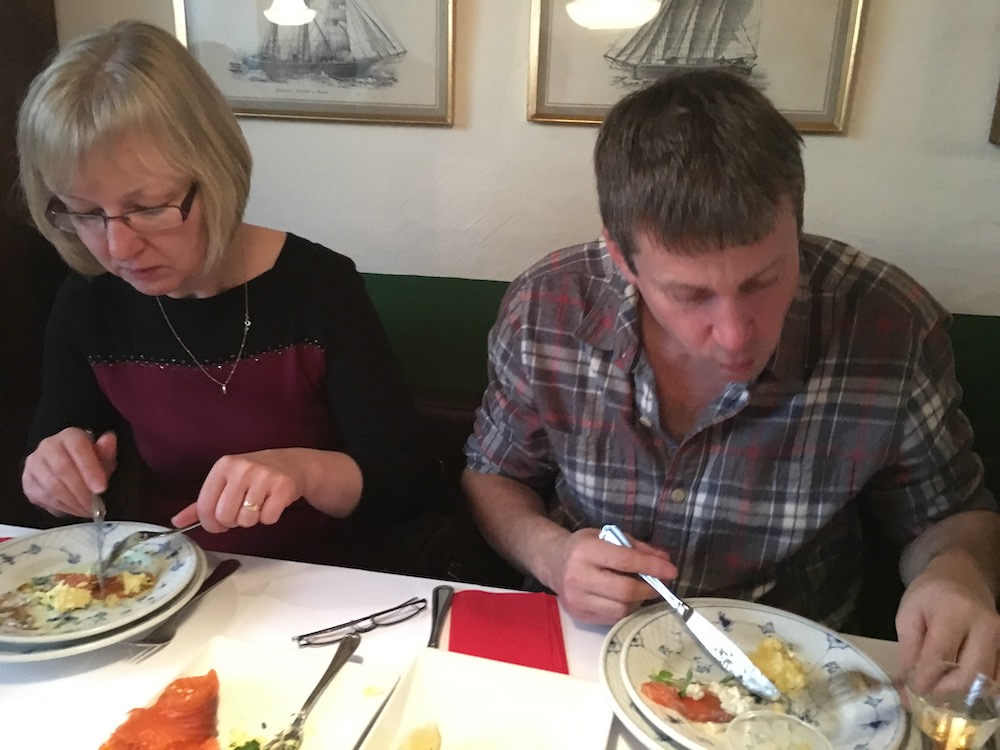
<point x="517" y="628"/>
<point x="5" y="538"/>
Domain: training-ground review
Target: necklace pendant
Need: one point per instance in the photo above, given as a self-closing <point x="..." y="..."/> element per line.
<point x="224" y="390"/>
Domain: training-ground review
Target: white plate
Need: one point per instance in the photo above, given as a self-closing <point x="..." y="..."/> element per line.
<point x="609" y="674"/>
<point x="261" y="688"/>
<point x="871" y="721"/>
<point x="10" y="654"/>
<point x="72" y="549"/>
<point x="480" y="704"/>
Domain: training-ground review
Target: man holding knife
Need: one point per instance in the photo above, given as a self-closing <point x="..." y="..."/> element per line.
<point x="732" y="392"/>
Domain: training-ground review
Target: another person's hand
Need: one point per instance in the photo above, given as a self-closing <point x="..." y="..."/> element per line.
<point x="247" y="489"/>
<point x="67" y="469"/>
<point x="595" y="580"/>
<point x="948" y="613"/>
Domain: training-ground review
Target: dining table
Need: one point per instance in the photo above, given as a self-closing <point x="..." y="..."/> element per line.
<point x="77" y="701"/>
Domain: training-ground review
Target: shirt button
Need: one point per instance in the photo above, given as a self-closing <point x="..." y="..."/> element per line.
<point x="677" y="495"/>
<point x="645" y="421"/>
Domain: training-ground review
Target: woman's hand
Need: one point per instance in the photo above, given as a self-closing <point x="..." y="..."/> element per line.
<point x="67" y="469"/>
<point x="251" y="488"/>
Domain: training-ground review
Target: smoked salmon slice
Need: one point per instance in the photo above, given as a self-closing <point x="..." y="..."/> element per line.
<point x="184" y="717"/>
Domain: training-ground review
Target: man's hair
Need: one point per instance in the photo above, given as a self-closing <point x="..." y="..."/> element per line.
<point x="697" y="162"/>
<point x="133" y="79"/>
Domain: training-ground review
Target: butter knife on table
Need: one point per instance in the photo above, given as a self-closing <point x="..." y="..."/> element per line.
<point x="718" y="645"/>
<point x="442" y="602"/>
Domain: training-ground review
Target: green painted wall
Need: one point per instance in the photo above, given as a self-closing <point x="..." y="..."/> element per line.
<point x="438" y="328"/>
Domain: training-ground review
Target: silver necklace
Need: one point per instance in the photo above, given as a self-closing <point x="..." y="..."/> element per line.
<point x="239" y="355"/>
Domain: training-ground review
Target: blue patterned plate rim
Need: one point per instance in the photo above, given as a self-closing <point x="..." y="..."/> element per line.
<point x="45" y="652"/>
<point x="73" y="549"/>
<point x="876" y="722"/>
<point x="609" y="675"/>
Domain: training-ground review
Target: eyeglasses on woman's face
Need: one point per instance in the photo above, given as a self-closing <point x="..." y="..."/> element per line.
<point x="141" y="220"/>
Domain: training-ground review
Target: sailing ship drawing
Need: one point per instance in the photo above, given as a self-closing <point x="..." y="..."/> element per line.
<point x="689" y="34"/>
<point x="348" y="39"/>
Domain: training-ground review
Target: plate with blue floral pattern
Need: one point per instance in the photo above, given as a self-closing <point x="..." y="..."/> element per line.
<point x="655" y="640"/>
<point x="33" y="611"/>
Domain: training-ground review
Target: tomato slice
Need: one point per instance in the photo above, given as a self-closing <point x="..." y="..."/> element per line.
<point x="706" y="708"/>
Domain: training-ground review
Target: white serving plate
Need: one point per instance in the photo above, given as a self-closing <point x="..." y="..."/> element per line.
<point x="480" y="704"/>
<point x="15" y="653"/>
<point x="261" y="687"/>
<point x="656" y="639"/>
<point x="73" y="549"/>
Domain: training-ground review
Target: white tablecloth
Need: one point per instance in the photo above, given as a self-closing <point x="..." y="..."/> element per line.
<point x="77" y="701"/>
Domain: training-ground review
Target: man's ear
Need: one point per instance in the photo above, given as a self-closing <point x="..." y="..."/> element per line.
<point x="618" y="258"/>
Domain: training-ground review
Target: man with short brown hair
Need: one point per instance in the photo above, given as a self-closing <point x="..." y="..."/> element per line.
<point x="730" y="391"/>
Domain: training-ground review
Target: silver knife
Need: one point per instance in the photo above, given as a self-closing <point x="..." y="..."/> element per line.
<point x="165" y="631"/>
<point x="97" y="513"/>
<point x="718" y="645"/>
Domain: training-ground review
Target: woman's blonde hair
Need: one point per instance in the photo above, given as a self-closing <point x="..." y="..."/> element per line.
<point x="132" y="78"/>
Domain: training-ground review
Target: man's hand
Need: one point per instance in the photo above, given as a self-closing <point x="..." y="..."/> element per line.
<point x="595" y="580"/>
<point x="948" y="613"/>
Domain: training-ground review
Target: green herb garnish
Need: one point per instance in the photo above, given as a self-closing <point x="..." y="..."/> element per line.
<point x="678" y="683"/>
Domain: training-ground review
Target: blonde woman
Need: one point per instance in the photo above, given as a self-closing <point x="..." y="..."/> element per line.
<point x="247" y="365"/>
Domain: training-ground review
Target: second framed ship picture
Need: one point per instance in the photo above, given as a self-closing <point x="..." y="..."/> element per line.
<point x="384" y="61"/>
<point x="798" y="52"/>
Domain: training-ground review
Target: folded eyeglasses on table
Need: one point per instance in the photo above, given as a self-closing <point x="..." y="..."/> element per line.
<point x="393" y="615"/>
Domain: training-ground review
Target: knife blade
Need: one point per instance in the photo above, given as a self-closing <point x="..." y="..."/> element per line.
<point x="718" y="645"/>
<point x="97" y="513"/>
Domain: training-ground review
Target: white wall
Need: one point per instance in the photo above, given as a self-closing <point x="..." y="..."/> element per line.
<point x="914" y="179"/>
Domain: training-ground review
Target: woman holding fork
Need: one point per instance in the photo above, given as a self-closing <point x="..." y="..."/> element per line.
<point x="246" y="365"/>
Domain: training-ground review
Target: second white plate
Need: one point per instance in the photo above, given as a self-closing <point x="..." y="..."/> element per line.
<point x="15" y="653"/>
<point x="261" y="687"/>
<point x="871" y="721"/>
<point x="491" y="705"/>
<point x="72" y="549"/>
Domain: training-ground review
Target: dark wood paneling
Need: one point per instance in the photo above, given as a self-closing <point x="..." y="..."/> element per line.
<point x="30" y="271"/>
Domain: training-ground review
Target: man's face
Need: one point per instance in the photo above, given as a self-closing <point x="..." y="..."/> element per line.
<point x="718" y="314"/>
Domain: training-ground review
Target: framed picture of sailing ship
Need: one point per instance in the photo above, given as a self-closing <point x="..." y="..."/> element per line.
<point x="995" y="127"/>
<point x="385" y="61"/>
<point x="800" y="53"/>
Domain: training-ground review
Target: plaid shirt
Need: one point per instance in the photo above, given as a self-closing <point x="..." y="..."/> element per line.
<point x="857" y="410"/>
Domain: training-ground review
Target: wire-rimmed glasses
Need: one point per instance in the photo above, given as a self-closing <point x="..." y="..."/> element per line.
<point x="393" y="615"/>
<point x="142" y="220"/>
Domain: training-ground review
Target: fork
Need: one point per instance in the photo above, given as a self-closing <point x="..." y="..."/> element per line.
<point x="155" y="640"/>
<point x="290" y="738"/>
<point x="138" y="537"/>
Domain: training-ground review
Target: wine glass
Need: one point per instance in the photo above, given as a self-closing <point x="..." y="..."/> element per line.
<point x="954" y="707"/>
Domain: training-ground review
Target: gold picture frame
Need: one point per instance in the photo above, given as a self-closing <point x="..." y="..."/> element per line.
<point x="577" y="74"/>
<point x="370" y="61"/>
<point x="995" y="127"/>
